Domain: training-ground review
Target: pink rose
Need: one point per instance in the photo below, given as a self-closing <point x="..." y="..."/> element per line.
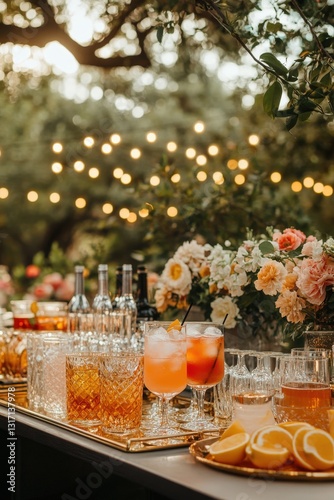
<point x="314" y="278"/>
<point x="42" y="291"/>
<point x="297" y="232"/>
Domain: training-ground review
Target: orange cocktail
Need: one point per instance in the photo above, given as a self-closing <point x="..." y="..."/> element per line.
<point x="306" y="394"/>
<point x="205" y="365"/>
<point x="165" y="365"/>
<point x="205" y="360"/>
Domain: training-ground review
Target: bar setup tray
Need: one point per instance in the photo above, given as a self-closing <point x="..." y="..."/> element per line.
<point x="137" y="441"/>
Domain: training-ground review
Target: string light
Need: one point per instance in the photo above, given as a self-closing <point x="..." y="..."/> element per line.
<point x="89" y="142"/>
<point x="201" y="160"/>
<point x="201" y="176"/>
<point x="54" y="197"/>
<point x="175" y="178"/>
<point x="172" y="212"/>
<point x="4" y="193"/>
<point x="93" y="173"/>
<point x="132" y="217"/>
<point x="171" y="146"/>
<point x="124" y="213"/>
<point x="213" y="150"/>
<point x="327" y="191"/>
<point x="199" y="127"/>
<point x="308" y="182"/>
<point x="79" y="166"/>
<point x="318" y="187"/>
<point x="239" y="179"/>
<point x="218" y="178"/>
<point x="106" y="148"/>
<point x="118" y="172"/>
<point x="276" y="177"/>
<point x="190" y="153"/>
<point x="32" y="196"/>
<point x="57" y="167"/>
<point x="296" y="186"/>
<point x="126" y="179"/>
<point x="151" y="137"/>
<point x="80" y="203"/>
<point x="135" y="153"/>
<point x="115" y="139"/>
<point x="232" y="164"/>
<point x="253" y="140"/>
<point x="155" y="180"/>
<point x="107" y="208"/>
<point x="57" y="147"/>
<point x="143" y="212"/>
<point x="243" y="164"/>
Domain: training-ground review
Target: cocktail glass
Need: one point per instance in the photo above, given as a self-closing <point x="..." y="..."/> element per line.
<point x="165" y="367"/>
<point x="205" y="366"/>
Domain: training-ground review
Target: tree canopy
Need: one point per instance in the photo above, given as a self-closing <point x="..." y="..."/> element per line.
<point x="291" y="42"/>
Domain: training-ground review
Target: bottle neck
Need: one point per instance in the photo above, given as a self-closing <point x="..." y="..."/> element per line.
<point x="103" y="283"/>
<point x="119" y="284"/>
<point x="127" y="282"/>
<point x="79" y="283"/>
<point x="142" y="294"/>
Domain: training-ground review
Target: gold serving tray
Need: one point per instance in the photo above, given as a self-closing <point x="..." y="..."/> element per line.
<point x="138" y="441"/>
<point x="199" y="450"/>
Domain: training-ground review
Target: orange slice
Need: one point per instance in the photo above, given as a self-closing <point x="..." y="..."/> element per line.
<point x="175" y="325"/>
<point x="273" y="436"/>
<point x="293" y="427"/>
<point x="234" y="428"/>
<point x="34" y="307"/>
<point x="231" y="450"/>
<point x="314" y="449"/>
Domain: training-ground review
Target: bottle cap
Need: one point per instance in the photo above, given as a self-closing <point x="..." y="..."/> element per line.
<point x="127" y="267"/>
<point x="79" y="269"/>
<point x="102" y="267"/>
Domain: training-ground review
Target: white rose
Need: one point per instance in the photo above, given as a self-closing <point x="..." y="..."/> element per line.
<point x="223" y="306"/>
<point x="177" y="276"/>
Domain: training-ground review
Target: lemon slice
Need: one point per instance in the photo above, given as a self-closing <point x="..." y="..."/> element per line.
<point x="331" y="422"/>
<point x="267" y="457"/>
<point x="234" y="428"/>
<point x="274" y="436"/>
<point x="34" y="307"/>
<point x="293" y="427"/>
<point x="231" y="450"/>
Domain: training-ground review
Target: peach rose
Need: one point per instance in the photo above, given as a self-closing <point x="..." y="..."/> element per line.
<point x="290" y="239"/>
<point x="291" y="306"/>
<point x="270" y="277"/>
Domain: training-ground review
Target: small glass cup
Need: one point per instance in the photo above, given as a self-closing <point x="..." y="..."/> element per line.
<point x="23" y="317"/>
<point x="121" y="391"/>
<point x="83" y="388"/>
<point x="54" y="346"/>
<point x="16" y="355"/>
<point x="34" y="370"/>
<point x="51" y="316"/>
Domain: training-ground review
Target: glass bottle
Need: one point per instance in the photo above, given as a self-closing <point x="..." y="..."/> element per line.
<point x="102" y="305"/>
<point x="126" y="301"/>
<point x="78" y="307"/>
<point x="145" y="311"/>
<point x="118" y="287"/>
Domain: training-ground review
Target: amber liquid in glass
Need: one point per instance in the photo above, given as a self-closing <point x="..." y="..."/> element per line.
<point x="23" y="322"/>
<point x="52" y="323"/>
<point x="83" y="392"/>
<point x="306" y="394"/>
<point x="121" y="399"/>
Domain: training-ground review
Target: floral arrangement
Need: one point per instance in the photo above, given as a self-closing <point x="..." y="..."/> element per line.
<point x="281" y="279"/>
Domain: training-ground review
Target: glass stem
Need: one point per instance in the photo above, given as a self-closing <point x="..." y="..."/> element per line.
<point x="164" y="412"/>
<point x="200" y="403"/>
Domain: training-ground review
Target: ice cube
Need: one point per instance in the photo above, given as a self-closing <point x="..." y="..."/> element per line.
<point x="193" y="331"/>
<point x="212" y="331"/>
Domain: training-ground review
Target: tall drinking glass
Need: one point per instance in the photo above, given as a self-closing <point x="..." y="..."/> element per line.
<point x="165" y="366"/>
<point x="205" y="366"/>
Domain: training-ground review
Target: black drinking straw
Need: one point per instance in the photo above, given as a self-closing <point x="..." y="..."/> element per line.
<point x="185" y="316"/>
<point x="224" y="320"/>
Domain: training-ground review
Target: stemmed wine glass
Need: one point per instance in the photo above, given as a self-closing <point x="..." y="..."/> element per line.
<point x="165" y="367"/>
<point x="205" y="366"/>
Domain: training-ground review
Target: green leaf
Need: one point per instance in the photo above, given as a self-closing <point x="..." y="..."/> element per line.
<point x="274" y="63"/>
<point x="160" y="33"/>
<point x="266" y="247"/>
<point x="272" y="99"/>
<point x="274" y="27"/>
<point x="291" y="121"/>
<point x="306" y="105"/>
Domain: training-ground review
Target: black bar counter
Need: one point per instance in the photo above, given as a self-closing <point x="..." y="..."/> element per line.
<point x="54" y="463"/>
